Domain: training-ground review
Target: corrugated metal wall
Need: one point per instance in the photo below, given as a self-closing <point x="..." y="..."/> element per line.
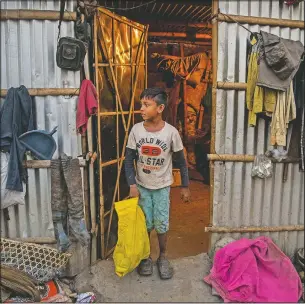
<point x="240" y="200"/>
<point x="28" y="52"/>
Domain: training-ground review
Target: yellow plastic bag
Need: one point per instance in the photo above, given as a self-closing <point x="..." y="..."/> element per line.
<point x="133" y="242"/>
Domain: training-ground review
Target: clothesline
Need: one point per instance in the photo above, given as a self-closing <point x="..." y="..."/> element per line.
<point x="227" y="16"/>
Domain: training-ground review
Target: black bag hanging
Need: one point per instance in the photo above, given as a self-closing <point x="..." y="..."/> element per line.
<point x="70" y="52"/>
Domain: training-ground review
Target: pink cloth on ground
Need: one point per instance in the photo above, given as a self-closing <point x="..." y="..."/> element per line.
<point x="254" y="271"/>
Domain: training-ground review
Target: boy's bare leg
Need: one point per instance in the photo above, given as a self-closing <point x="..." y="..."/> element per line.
<point x="165" y="269"/>
<point x="146" y="267"/>
<point x="162" y="238"/>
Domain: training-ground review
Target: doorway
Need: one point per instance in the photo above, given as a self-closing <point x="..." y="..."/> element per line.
<point x="181" y="32"/>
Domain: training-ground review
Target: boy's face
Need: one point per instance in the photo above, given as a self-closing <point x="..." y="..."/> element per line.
<point x="150" y="109"/>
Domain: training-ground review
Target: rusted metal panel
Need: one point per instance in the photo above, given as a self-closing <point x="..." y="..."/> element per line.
<point x="240" y="200"/>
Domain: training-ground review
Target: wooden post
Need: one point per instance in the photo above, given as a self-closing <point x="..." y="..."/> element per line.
<point x="214" y="92"/>
<point x="99" y="141"/>
<point x="184" y="93"/>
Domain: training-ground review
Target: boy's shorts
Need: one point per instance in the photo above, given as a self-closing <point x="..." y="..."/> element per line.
<point x="155" y="205"/>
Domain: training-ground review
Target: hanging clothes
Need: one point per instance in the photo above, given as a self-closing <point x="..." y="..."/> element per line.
<point x="285" y="112"/>
<point x="16" y="118"/>
<point x="280" y="61"/>
<point x="258" y="99"/>
<point x="297" y="142"/>
<point x="87" y="105"/>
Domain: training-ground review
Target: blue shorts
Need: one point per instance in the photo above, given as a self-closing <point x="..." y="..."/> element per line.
<point x="155" y="205"/>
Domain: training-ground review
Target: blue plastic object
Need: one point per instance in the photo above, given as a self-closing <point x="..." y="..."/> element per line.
<point x="40" y="142"/>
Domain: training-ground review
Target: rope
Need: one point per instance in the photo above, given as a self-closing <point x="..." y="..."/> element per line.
<point x="229" y="17"/>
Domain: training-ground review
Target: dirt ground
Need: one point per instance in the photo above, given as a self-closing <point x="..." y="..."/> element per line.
<point x="187" y="285"/>
<point x="187" y="245"/>
<point x="187" y="222"/>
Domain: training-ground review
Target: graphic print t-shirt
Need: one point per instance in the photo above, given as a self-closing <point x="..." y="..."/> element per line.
<point x="154" y="149"/>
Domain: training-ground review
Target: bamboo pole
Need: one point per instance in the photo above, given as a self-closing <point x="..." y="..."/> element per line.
<point x="36" y="240"/>
<point x="116" y="105"/>
<point x="132" y="69"/>
<point x="48" y="92"/>
<point x="199" y="25"/>
<point x="86" y="183"/>
<point x="115" y="113"/>
<point x="122" y="20"/>
<point x="92" y="202"/>
<point x="144" y="37"/>
<point x="118" y="64"/>
<point x="101" y="196"/>
<point x="245" y="158"/>
<point x="214" y="229"/>
<point x="208" y="44"/>
<point x="231" y="85"/>
<point x="179" y="35"/>
<point x="261" y="21"/>
<point x="214" y="92"/>
<point x="106" y="53"/>
<point x="84" y="152"/>
<point x="44" y="164"/>
<point x="20" y="14"/>
<point x="111" y="162"/>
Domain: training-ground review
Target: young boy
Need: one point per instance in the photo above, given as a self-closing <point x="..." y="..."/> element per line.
<point x="152" y="143"/>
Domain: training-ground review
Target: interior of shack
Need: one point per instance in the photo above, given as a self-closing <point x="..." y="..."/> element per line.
<point x="179" y="59"/>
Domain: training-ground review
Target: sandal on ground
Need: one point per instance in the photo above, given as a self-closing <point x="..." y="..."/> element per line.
<point x="146" y="267"/>
<point x="166" y="270"/>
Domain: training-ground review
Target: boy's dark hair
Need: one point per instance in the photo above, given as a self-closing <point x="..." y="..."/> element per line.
<point x="157" y="94"/>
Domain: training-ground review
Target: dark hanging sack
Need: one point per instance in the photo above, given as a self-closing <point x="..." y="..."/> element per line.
<point x="70" y="52"/>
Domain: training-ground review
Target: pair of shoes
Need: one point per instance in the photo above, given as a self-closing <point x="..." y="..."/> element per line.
<point x="165" y="269"/>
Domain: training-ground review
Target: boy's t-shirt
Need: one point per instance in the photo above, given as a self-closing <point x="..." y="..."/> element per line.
<point x="154" y="150"/>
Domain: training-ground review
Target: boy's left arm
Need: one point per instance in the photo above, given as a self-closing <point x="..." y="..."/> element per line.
<point x="185" y="192"/>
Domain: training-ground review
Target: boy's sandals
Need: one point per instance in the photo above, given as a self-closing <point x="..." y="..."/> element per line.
<point x="146" y="267"/>
<point x="166" y="270"/>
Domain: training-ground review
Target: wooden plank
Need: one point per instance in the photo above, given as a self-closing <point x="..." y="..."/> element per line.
<point x="245" y="158"/>
<point x="261" y="21"/>
<point x="36" y="240"/>
<point x="231" y="85"/>
<point x="214" y="229"/>
<point x="41" y="164"/>
<point x="24" y="14"/>
<point x="48" y="92"/>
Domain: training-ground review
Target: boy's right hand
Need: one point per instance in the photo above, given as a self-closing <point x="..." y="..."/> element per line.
<point x="134" y="192"/>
